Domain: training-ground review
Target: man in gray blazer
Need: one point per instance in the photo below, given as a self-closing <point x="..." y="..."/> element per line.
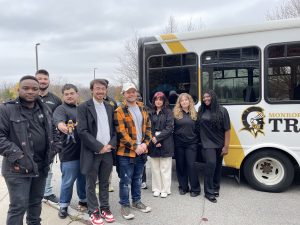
<point x="98" y="139"/>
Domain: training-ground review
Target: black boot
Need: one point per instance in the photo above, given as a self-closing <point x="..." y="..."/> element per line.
<point x="63" y="212"/>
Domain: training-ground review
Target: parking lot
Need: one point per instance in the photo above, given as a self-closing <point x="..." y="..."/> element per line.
<point x="237" y="204"/>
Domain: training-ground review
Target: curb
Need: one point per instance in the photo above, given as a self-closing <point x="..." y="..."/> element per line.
<point x="73" y="214"/>
<point x="77" y="216"/>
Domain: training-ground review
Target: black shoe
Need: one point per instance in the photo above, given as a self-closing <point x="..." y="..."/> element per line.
<point x="182" y="192"/>
<point x="82" y="206"/>
<point x="194" y="194"/>
<point x="63" y="212"/>
<point x="211" y="198"/>
<point x="217" y="194"/>
<point x="52" y="199"/>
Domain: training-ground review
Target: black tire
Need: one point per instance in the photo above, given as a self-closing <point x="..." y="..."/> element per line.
<point x="279" y="166"/>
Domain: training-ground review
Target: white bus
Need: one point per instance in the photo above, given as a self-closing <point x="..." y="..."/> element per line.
<point x="255" y="71"/>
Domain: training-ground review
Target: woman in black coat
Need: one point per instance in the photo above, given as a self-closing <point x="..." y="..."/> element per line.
<point x="162" y="145"/>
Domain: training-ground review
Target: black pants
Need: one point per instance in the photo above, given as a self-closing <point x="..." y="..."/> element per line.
<point x="186" y="156"/>
<point x="102" y="166"/>
<point x="25" y="195"/>
<point x="213" y="170"/>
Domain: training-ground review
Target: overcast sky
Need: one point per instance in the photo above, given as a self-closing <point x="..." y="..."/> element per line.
<point x="76" y="36"/>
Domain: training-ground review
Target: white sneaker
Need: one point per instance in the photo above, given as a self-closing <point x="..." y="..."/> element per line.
<point x="163" y="195"/>
<point x="144" y="185"/>
<point x="156" y="193"/>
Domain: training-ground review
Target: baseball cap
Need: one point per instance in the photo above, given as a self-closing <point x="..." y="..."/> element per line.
<point x="128" y="86"/>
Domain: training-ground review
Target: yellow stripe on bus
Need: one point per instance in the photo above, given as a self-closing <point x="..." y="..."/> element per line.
<point x="235" y="154"/>
<point x="176" y="46"/>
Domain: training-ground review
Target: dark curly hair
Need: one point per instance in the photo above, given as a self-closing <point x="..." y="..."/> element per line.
<point x="216" y="115"/>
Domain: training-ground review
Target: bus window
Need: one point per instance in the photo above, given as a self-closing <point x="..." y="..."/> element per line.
<point x="173" y="75"/>
<point x="234" y="74"/>
<point x="283" y="72"/>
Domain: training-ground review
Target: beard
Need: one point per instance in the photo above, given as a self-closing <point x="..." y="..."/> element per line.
<point x="44" y="88"/>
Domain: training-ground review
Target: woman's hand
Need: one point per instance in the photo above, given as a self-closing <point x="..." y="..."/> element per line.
<point x="154" y="140"/>
<point x="224" y="150"/>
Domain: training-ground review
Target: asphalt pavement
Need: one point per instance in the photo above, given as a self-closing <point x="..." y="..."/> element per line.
<point x="238" y="204"/>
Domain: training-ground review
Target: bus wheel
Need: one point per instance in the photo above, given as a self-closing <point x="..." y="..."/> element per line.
<point x="269" y="170"/>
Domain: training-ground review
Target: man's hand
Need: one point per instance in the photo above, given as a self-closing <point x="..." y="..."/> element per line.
<point x="105" y="149"/>
<point x="139" y="150"/>
<point x="62" y="127"/>
<point x="145" y="147"/>
<point x="23" y="166"/>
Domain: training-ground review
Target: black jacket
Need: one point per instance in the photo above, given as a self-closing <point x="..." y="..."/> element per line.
<point x="112" y="102"/>
<point x="164" y="122"/>
<point x="87" y="131"/>
<point x="70" y="147"/>
<point x="14" y="140"/>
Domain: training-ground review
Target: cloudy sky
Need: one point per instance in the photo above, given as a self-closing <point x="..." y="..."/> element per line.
<point x="77" y="36"/>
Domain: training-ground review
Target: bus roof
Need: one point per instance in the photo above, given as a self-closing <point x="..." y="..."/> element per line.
<point x="266" y="26"/>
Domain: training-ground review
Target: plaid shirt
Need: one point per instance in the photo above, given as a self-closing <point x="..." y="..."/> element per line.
<point x="126" y="130"/>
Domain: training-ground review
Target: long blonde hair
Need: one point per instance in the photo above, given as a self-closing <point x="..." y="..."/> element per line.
<point x="178" y="114"/>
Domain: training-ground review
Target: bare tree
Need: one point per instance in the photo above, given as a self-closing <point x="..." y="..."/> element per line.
<point x="128" y="61"/>
<point x="171" y="27"/>
<point x="174" y="26"/>
<point x="288" y="9"/>
<point x="128" y="67"/>
<point x="192" y="26"/>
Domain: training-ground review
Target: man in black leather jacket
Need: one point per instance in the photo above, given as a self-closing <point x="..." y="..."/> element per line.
<point x="27" y="144"/>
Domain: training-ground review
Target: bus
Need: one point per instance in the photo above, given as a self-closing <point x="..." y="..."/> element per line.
<point x="255" y="71"/>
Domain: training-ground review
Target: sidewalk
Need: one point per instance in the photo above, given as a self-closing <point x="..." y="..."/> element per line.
<point x="49" y="213"/>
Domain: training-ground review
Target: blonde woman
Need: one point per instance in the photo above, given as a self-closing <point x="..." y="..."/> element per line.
<point x="186" y="145"/>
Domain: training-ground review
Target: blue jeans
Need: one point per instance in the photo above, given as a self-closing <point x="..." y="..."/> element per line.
<point x="48" y="188"/>
<point x="130" y="173"/>
<point x="25" y="195"/>
<point x="70" y="172"/>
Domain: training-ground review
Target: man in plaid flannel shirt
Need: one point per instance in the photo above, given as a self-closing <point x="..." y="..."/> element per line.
<point x="134" y="134"/>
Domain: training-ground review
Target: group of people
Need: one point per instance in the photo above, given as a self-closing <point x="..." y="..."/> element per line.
<point x="95" y="135"/>
<point x="186" y="134"/>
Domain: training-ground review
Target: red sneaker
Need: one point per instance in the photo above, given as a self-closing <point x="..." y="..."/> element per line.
<point x="95" y="218"/>
<point x="107" y="215"/>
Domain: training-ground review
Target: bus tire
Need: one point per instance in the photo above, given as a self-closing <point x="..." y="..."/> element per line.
<point x="269" y="170"/>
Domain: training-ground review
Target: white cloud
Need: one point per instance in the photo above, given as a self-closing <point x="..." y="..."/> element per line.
<point x="77" y="36"/>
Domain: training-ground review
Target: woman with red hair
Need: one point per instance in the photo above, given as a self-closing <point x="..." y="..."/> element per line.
<point x="162" y="145"/>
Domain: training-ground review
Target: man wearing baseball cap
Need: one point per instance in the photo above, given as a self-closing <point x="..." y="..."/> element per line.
<point x="134" y="134"/>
